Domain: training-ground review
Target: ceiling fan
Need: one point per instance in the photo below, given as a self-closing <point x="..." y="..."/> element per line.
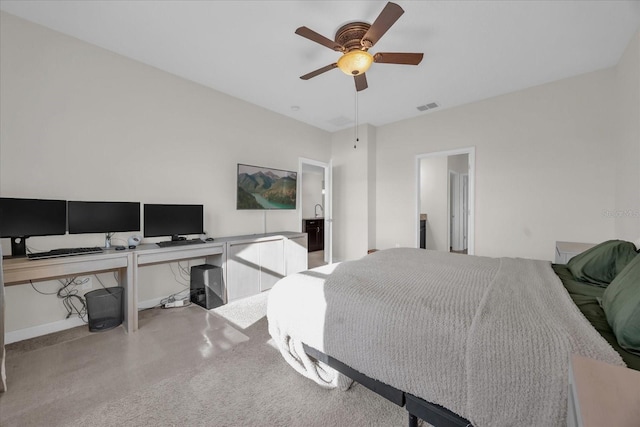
<point x="354" y="40"/>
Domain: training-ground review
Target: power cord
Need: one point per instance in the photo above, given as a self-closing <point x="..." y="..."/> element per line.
<point x="180" y="273"/>
<point x="71" y="300"/>
<point x="69" y="296"/>
<point x="100" y="281"/>
<point x="174" y="300"/>
<point x="186" y="271"/>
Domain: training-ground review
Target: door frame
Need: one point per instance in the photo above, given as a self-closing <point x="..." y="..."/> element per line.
<point x="471" y="151"/>
<point x="328" y="205"/>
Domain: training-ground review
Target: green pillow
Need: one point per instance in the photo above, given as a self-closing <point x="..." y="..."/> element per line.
<point x="621" y="304"/>
<point x="602" y="263"/>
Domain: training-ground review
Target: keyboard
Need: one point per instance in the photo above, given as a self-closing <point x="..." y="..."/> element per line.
<point x="55" y="253"/>
<point x="172" y="243"/>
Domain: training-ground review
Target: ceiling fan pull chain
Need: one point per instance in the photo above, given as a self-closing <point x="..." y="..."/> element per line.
<point x="356" y="130"/>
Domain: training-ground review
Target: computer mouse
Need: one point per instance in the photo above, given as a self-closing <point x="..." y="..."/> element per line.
<point x="209" y="239"/>
<point x="132" y="246"/>
<point x="120" y="248"/>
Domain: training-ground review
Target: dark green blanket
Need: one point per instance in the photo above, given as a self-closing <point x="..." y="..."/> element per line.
<point x="585" y="296"/>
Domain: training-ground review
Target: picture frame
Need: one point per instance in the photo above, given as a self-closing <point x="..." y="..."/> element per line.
<point x="265" y="188"/>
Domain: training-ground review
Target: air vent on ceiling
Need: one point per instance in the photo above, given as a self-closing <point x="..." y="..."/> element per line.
<point x="340" y="121"/>
<point x="429" y="106"/>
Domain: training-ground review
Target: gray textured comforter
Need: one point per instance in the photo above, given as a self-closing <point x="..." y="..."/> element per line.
<point x="488" y="338"/>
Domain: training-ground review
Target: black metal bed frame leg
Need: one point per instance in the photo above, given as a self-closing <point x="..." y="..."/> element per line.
<point x="413" y="420"/>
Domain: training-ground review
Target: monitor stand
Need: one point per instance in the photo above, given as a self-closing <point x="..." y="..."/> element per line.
<point x="18" y="246"/>
<point x="175" y="237"/>
<point x="107" y="240"/>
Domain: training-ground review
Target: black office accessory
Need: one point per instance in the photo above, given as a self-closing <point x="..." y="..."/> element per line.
<point x="103" y="217"/>
<point x="179" y="242"/>
<point x="23" y="218"/>
<point x="173" y="220"/>
<point x="56" y="253"/>
<point x="206" y="286"/>
<point x="105" y="308"/>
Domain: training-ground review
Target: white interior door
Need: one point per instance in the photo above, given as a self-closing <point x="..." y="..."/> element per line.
<point x="455" y="217"/>
<point x="465" y="211"/>
<point x="327" y="202"/>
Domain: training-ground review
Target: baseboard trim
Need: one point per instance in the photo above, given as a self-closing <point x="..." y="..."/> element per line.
<point x="150" y="303"/>
<point x="39" y="330"/>
<point x="61" y="325"/>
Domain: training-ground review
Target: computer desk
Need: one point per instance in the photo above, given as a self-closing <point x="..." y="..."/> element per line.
<point x="23" y="270"/>
<point x="126" y="263"/>
<point x="151" y="254"/>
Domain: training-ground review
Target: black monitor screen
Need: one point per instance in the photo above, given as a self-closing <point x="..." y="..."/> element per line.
<point x="103" y="217"/>
<point x="173" y="220"/>
<point x="32" y="217"/>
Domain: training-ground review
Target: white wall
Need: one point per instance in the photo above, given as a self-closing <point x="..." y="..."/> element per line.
<point x="434" y="190"/>
<point x="544" y="166"/>
<point x="82" y="123"/>
<point x="371" y="186"/>
<point x="351" y="188"/>
<point x="458" y="163"/>
<point x="626" y="210"/>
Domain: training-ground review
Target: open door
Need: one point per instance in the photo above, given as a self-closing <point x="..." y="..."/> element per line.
<point x="458" y="211"/>
<point x="446" y="200"/>
<point x="315" y="195"/>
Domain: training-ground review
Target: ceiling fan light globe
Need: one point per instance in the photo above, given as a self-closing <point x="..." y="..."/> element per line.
<point x="355" y="62"/>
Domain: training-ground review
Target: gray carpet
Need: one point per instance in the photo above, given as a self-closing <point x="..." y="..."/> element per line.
<point x="248" y="384"/>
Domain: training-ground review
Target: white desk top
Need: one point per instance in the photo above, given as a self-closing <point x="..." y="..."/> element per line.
<point x="21" y="270"/>
<point x="258" y="237"/>
<point x="152" y="253"/>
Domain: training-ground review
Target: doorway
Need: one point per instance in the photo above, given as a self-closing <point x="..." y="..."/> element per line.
<point x="314" y="190"/>
<point x="445" y="200"/>
<point x="458" y="210"/>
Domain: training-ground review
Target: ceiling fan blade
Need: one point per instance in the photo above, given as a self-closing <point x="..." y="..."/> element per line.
<point x="319" y="71"/>
<point x="319" y="38"/>
<point x="398" y="58"/>
<point x="383" y="22"/>
<point x="361" y="82"/>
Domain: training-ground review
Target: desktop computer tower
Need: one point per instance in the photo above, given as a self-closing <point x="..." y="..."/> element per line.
<point x="207" y="289"/>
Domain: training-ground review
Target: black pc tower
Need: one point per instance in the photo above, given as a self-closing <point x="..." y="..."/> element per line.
<point x="206" y="286"/>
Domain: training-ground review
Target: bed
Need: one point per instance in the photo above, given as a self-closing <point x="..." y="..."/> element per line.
<point x="459" y="340"/>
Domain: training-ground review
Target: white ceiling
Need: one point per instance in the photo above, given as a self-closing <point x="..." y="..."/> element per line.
<point x="473" y="49"/>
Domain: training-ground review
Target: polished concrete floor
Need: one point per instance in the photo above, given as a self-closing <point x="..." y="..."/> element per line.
<point x="184" y="367"/>
<point x="50" y="377"/>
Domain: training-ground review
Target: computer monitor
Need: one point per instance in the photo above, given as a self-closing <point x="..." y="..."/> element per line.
<point x="103" y="217"/>
<point x="173" y="220"/>
<point x="23" y="218"/>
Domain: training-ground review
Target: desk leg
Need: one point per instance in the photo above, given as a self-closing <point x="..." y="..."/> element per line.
<point x="128" y="281"/>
